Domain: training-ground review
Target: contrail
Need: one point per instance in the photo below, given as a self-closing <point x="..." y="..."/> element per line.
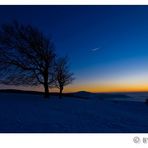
<point x="95" y="49"/>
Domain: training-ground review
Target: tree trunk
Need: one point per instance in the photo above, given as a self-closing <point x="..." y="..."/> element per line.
<point x="60" y="95"/>
<point x="46" y="90"/>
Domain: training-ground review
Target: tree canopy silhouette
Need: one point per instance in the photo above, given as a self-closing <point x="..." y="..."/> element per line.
<point x="63" y="75"/>
<point x="27" y="57"/>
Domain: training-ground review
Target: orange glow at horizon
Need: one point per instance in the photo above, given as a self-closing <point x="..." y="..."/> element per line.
<point x="108" y="88"/>
<point x="93" y="87"/>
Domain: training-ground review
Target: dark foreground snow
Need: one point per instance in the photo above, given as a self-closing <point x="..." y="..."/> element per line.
<point x="33" y="113"/>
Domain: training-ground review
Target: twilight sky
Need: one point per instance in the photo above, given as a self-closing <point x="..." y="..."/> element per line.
<point x="107" y="45"/>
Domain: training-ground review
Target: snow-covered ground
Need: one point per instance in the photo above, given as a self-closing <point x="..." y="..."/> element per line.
<point x="33" y="113"/>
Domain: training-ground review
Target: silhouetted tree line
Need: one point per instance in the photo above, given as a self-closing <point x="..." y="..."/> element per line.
<point x="28" y="58"/>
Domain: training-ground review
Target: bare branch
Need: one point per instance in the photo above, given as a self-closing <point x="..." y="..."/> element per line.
<point x="27" y="54"/>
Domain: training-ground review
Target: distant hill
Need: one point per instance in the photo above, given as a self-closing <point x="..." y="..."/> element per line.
<point x="19" y="91"/>
<point x="24" y="92"/>
<point x="86" y="94"/>
<point x="79" y="94"/>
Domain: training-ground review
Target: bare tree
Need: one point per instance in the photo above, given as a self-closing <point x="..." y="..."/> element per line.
<point x="63" y="75"/>
<point x="26" y="56"/>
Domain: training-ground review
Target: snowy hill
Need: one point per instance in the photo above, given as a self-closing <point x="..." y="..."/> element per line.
<point x="20" y="112"/>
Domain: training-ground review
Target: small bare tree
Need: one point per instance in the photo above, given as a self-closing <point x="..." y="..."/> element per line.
<point x="62" y="74"/>
<point x="26" y="56"/>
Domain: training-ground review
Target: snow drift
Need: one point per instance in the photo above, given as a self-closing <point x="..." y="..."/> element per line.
<point x="32" y="113"/>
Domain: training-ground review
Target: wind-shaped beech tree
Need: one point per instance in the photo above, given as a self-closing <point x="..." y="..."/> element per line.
<point x="62" y="74"/>
<point x="27" y="57"/>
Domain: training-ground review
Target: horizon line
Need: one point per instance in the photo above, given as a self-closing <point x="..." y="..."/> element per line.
<point x="74" y="91"/>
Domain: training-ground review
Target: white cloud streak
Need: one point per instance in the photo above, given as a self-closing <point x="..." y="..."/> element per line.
<point x="95" y="49"/>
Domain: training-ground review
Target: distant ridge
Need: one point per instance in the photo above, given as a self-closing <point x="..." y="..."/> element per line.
<point x="84" y="92"/>
<point x="79" y="94"/>
<point x="19" y="91"/>
<point x="24" y="92"/>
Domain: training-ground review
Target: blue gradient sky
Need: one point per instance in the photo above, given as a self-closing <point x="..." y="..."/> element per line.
<point x="118" y="33"/>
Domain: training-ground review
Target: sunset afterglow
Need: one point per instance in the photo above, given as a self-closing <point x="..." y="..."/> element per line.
<point x="107" y="46"/>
